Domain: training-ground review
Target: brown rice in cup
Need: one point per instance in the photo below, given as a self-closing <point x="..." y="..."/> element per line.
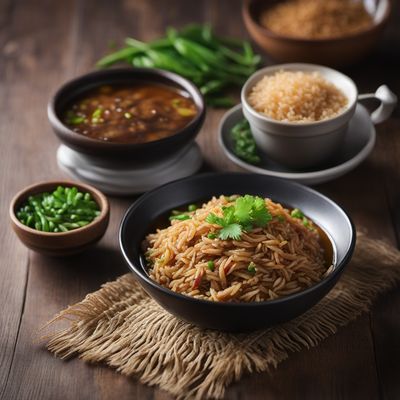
<point x="296" y="96"/>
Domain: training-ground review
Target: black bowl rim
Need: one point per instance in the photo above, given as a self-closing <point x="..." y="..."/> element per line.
<point x="293" y="297"/>
<point x="267" y="32"/>
<point x="102" y="75"/>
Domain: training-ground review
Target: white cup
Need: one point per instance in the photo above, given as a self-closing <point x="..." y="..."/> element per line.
<point x="300" y="144"/>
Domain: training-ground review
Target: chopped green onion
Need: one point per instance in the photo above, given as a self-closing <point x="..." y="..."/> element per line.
<point x="96" y="115"/>
<point x="297" y="213"/>
<point x="176" y="102"/>
<point x="76" y="120"/>
<point x="244" y="145"/>
<point x="211" y="235"/>
<point x="192" y="207"/>
<point x="62" y="228"/>
<point x="180" y="217"/>
<point x="185" y="112"/>
<point x="211" y="265"/>
<point x="58" y="211"/>
<point x="252" y="268"/>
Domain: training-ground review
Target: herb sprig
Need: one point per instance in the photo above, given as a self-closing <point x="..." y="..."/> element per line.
<point x="246" y="213"/>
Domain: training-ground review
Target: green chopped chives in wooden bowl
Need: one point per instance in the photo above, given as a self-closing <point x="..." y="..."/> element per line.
<point x="62" y="210"/>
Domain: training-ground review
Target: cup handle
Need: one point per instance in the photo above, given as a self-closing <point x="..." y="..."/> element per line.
<point x="388" y="103"/>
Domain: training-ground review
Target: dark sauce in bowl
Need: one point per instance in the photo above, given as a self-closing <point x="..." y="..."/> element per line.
<point x="132" y="114"/>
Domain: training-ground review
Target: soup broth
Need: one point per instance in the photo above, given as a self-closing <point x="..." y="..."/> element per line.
<point x="130" y="114"/>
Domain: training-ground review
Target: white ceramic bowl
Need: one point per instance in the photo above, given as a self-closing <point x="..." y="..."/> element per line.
<point x="300" y="144"/>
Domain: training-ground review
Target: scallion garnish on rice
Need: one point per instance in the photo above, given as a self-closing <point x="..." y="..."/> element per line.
<point x="252" y="268"/>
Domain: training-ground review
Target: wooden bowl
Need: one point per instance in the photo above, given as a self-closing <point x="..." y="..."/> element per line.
<point x="62" y="243"/>
<point x="332" y="52"/>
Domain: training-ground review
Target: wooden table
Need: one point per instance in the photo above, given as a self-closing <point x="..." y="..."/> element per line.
<point x="43" y="43"/>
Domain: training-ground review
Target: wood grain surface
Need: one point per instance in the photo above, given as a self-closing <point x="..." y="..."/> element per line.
<point x="45" y="42"/>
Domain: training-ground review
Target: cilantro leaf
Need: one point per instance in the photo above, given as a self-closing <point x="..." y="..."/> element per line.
<point x="251" y="211"/>
<point x="258" y="203"/>
<point x="229" y="215"/>
<point x="247" y="212"/>
<point x="243" y="206"/>
<point x="260" y="214"/>
<point x="232" y="231"/>
<point x="213" y="219"/>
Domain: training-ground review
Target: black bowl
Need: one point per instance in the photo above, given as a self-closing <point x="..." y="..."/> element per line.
<point x="235" y="317"/>
<point x="142" y="152"/>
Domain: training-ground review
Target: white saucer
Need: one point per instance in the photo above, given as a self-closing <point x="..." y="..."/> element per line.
<point x="125" y="178"/>
<point x="359" y="142"/>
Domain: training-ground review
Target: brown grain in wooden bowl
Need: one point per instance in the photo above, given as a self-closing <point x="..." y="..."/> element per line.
<point x="60" y="243"/>
<point x="333" y="52"/>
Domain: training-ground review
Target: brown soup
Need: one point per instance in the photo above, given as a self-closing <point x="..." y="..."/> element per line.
<point x="130" y="114"/>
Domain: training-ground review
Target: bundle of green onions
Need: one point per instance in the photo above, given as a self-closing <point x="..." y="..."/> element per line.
<point x="213" y="63"/>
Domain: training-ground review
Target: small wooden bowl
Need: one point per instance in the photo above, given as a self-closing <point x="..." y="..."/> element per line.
<point x="62" y="243"/>
<point x="332" y="52"/>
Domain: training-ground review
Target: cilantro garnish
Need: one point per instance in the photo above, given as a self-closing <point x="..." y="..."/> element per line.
<point x="231" y="231"/>
<point x="246" y="213"/>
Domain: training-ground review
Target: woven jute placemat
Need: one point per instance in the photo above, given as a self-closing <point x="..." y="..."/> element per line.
<point x="121" y="326"/>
